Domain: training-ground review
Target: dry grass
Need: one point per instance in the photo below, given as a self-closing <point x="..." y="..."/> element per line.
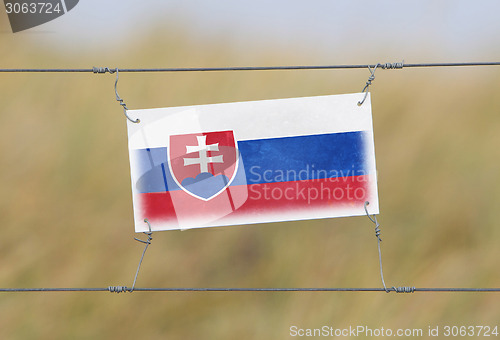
<point x="66" y="214"/>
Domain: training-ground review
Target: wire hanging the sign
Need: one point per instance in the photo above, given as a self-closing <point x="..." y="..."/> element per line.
<point x="118" y="99"/>
<point x="368" y="83"/>
<point x="377" y="235"/>
<point x="386" y="66"/>
<point x="102" y="70"/>
<point x="122" y="289"/>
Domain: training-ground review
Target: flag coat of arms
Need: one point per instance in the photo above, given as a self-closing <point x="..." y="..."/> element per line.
<point x="252" y="162"/>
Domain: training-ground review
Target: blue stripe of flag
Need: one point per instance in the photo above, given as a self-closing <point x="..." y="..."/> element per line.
<point x="304" y="158"/>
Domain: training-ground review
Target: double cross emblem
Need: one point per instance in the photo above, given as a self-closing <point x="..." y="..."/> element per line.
<point x="203" y="159"/>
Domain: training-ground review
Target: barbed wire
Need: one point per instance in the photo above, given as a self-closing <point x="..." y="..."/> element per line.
<point x="398" y="65"/>
<point x="121" y="289"/>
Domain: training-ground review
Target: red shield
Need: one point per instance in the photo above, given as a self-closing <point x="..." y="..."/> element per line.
<point x="203" y="164"/>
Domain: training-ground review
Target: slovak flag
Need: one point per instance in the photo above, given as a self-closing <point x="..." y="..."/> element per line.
<point x="252" y="162"/>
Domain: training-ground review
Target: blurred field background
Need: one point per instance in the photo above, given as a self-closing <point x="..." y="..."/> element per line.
<point x="66" y="209"/>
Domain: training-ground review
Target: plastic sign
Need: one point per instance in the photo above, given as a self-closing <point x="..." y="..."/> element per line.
<point x="252" y="162"/>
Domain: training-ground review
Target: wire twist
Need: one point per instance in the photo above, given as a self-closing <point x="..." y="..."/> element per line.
<point x="404" y="289"/>
<point x="374" y="220"/>
<point x="102" y="70"/>
<point x="117" y="289"/>
<point x="392" y="66"/>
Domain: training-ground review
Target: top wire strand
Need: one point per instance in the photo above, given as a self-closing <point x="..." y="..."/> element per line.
<point x="245" y="68"/>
